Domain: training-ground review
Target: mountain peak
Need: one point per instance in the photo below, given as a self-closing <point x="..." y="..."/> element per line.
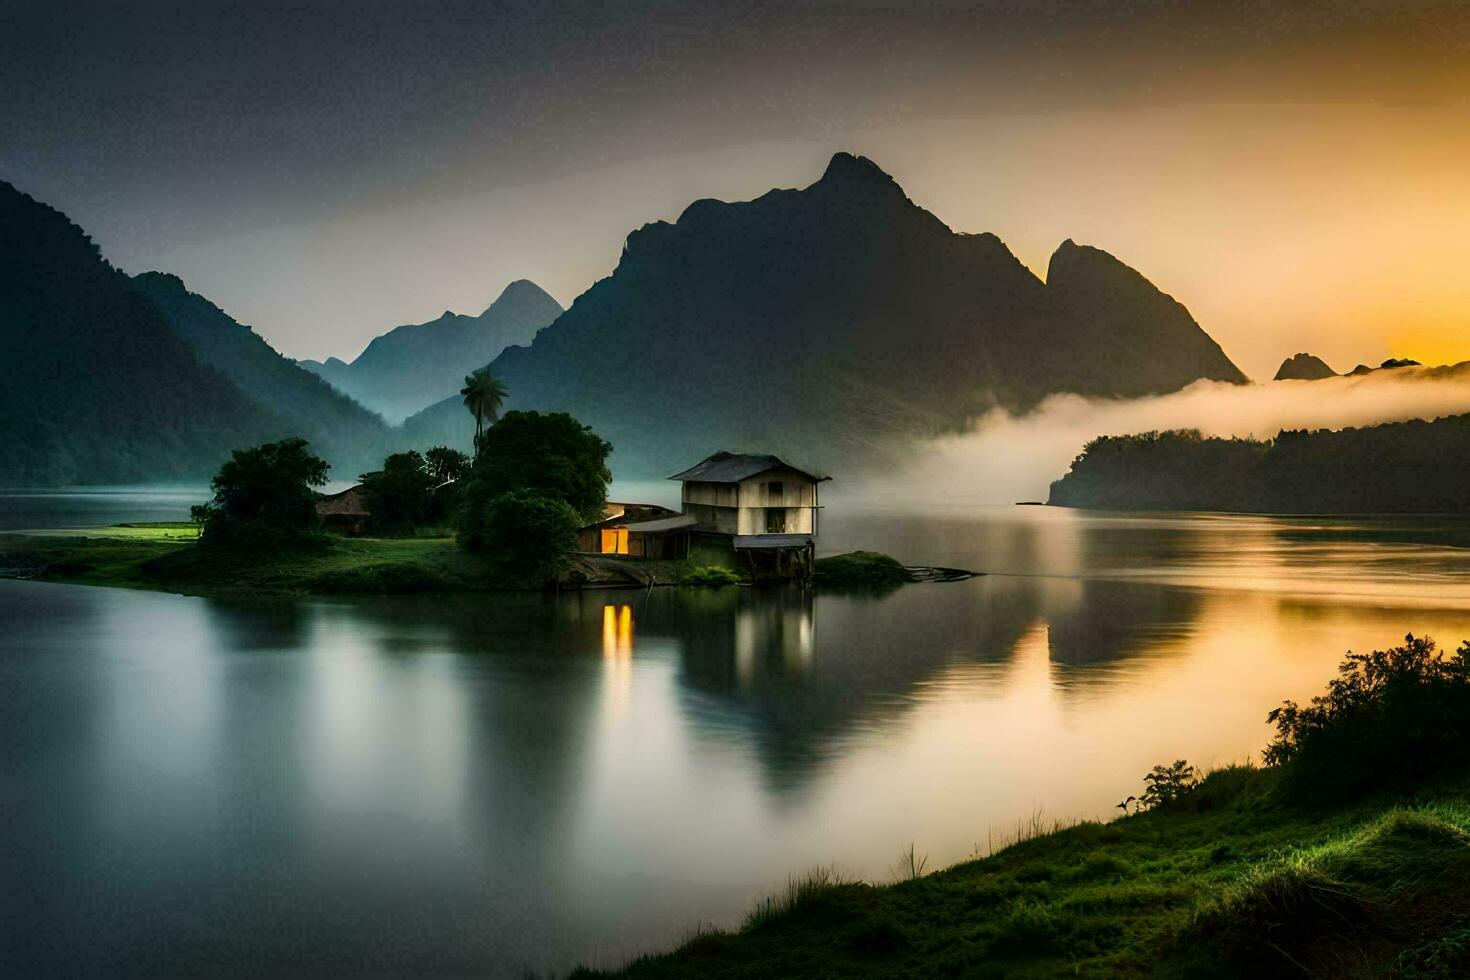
<point x="850" y="168"/>
<point x="1304" y="367"/>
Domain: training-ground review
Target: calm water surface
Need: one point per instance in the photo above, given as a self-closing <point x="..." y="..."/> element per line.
<point x="495" y="784"/>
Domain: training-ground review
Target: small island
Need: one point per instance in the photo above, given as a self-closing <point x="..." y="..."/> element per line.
<point x="530" y="511"/>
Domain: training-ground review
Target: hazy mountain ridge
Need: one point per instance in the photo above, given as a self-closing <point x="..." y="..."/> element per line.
<point x="97" y="387"/>
<point x="414" y="365"/>
<point x="1304" y="367"/>
<point x="825" y="322"/>
<point x="344" y="433"/>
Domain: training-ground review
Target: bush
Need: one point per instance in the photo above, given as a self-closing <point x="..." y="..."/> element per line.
<point x="528" y="532"/>
<point x="709" y="576"/>
<point x="1166" y="784"/>
<point x="862" y="568"/>
<point x="1390" y="720"/>
<point x="264" y="497"/>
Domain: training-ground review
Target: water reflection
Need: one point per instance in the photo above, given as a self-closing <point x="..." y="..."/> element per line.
<point x="489" y="784"/>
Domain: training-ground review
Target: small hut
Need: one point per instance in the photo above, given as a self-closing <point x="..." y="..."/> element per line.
<point x="346" y="511"/>
<point x="637" y="531"/>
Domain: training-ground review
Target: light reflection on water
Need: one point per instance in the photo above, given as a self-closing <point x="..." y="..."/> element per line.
<point x="489" y="784"/>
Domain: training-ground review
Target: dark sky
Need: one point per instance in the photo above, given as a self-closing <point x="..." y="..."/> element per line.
<point x="326" y="170"/>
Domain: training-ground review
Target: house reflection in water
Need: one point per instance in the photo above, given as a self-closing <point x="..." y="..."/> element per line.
<point x="773" y="637"/>
<point x="617" y="631"/>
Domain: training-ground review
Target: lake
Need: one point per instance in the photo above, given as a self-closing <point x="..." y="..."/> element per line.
<point x="496" y="784"/>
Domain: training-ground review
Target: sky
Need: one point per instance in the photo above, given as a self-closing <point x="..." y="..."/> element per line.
<point x="1296" y="174"/>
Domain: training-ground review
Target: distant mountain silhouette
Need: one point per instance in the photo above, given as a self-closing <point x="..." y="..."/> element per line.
<point x="344" y="433"/>
<point x="413" y="366"/>
<point x="1303" y="367"/>
<point x="95" y="386"/>
<point x="826" y="321"/>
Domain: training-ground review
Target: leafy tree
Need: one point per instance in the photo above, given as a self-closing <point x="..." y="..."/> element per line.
<point x="483" y="394"/>
<point x="400" y="496"/>
<point x="446" y="464"/>
<point x="264" y="495"/>
<point x="526" y="531"/>
<point x="552" y="454"/>
<point x="1391" y="719"/>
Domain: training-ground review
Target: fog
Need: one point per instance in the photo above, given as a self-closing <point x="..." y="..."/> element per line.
<point x="1006" y="458"/>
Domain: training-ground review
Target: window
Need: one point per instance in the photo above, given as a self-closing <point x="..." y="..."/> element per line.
<point x="776" y="489"/>
<point x="614" y="541"/>
<point x="775" y="520"/>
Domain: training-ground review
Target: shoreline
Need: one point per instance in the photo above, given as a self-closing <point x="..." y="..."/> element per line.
<point x="164" y="557"/>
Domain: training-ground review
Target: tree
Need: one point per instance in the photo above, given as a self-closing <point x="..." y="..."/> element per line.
<point x="527" y="532"/>
<point x="446" y="464"/>
<point x="264" y="495"/>
<point x="400" y="496"/>
<point x="483" y="394"/>
<point x="552" y="454"/>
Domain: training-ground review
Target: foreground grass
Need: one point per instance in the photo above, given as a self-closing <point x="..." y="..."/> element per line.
<point x="164" y="556"/>
<point x="1226" y="882"/>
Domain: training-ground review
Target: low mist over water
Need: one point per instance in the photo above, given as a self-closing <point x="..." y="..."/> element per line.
<point x="1005" y="457"/>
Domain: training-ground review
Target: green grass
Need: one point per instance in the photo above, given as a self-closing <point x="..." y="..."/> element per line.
<point x="1229" y="881"/>
<point x="166" y="557"/>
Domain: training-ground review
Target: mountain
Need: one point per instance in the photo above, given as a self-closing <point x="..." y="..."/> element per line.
<point x="1144" y="341"/>
<point x="344" y="433"/>
<point x="827" y="323"/>
<point x="1304" y="367"/>
<point x="95" y="386"/>
<point x="415" y="365"/>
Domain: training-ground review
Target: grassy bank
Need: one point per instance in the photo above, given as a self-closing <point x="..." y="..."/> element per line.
<point x="1228" y="881"/>
<point x="1349" y="855"/>
<point x="165" y="556"/>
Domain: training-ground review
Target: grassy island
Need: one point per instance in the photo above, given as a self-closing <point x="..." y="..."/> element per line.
<point x="1348" y="855"/>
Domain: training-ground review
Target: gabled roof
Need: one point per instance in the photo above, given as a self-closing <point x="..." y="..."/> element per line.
<point x="725" y="467"/>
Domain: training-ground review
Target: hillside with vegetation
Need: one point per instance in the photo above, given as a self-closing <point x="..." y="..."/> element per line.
<point x="351" y="438"/>
<point x="1395" y="468"/>
<point x="830" y="321"/>
<point x="1346" y="855"/>
<point x="415" y="365"/>
<point x="95" y="386"/>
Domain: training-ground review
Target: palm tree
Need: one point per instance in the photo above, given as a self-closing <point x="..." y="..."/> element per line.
<point x="483" y="393"/>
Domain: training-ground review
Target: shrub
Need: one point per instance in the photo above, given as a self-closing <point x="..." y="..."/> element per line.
<point x="709" y="576"/>
<point x="861" y="568"/>
<point x="1165" y="784"/>
<point x="529" y="533"/>
<point x="1390" y="720"/>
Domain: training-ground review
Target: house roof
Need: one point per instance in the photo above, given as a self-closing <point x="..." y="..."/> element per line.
<point x="725" y="467"/>
<point x="616" y="513"/>
<point x="674" y="523"/>
<point x="343" y="503"/>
